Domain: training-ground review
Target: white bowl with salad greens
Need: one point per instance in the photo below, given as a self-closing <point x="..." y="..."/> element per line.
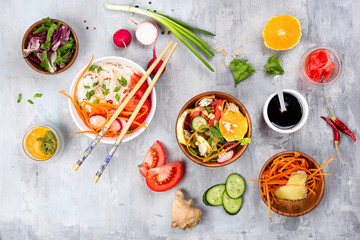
<point x="213" y="129"/>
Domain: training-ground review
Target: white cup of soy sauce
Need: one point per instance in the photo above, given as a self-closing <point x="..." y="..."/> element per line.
<point x="288" y="121"/>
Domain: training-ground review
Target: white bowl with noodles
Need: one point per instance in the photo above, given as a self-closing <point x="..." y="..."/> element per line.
<point x="79" y="122"/>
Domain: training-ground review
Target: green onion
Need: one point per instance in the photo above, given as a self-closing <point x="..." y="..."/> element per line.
<point x="117" y="97"/>
<point x="31" y="102"/>
<point x="86" y="86"/>
<point x="38" y="95"/>
<point x="106" y="92"/>
<point x="90" y="94"/>
<point x="117" y="89"/>
<point x="19" y="98"/>
<point x="96" y="101"/>
<point x="178" y="28"/>
<point x="103" y="86"/>
<point x="123" y="81"/>
<point x="95" y="84"/>
<point x="92" y="67"/>
<point x="99" y="69"/>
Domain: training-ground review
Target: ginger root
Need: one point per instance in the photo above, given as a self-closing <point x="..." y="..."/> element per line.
<point x="184" y="215"/>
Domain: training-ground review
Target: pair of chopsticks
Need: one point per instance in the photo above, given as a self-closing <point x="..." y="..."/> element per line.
<point x="133" y="115"/>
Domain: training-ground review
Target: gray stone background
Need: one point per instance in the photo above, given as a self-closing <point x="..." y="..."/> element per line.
<point x="51" y="201"/>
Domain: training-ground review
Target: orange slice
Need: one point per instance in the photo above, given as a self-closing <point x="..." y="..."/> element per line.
<point x="233" y="126"/>
<point x="282" y="32"/>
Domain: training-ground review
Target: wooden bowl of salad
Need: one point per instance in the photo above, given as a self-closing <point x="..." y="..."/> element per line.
<point x="213" y="129"/>
<point x="292" y="191"/>
<point x="61" y="49"/>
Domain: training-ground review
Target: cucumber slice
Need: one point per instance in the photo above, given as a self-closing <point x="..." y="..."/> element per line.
<point x="231" y="206"/>
<point x="197" y="122"/>
<point x="204" y="198"/>
<point x="214" y="195"/>
<point x="235" y="185"/>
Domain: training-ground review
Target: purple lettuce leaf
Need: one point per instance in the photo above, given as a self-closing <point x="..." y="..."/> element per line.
<point x="34" y="59"/>
<point x="187" y="124"/>
<point x="35" y="41"/>
<point x="60" y="37"/>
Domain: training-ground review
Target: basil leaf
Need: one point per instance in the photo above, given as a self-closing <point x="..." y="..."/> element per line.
<point x="92" y="67"/>
<point x="117" y="97"/>
<point x="95" y="84"/>
<point x="86" y="86"/>
<point x="96" y="101"/>
<point x="99" y="69"/>
<point x="208" y="109"/>
<point x="216" y="133"/>
<point x="31" y="102"/>
<point x="123" y="81"/>
<point x="38" y="95"/>
<point x="19" y="98"/>
<point x="117" y="89"/>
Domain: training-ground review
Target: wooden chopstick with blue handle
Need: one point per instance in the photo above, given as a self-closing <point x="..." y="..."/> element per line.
<point x="133" y="116"/>
<point x="120" y="108"/>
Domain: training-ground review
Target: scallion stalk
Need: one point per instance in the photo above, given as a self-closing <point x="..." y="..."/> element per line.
<point x="178" y="28"/>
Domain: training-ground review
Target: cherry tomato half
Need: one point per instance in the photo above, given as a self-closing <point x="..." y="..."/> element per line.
<point x="165" y="177"/>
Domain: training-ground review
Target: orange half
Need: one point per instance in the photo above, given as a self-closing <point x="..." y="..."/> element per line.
<point x="233" y="126"/>
<point x="282" y="32"/>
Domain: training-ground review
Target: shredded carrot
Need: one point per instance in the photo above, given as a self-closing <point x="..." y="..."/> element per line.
<point x="212" y="96"/>
<point x="223" y="52"/>
<point x="279" y="171"/>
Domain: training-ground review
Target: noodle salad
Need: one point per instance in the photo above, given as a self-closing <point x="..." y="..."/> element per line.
<point x="100" y="90"/>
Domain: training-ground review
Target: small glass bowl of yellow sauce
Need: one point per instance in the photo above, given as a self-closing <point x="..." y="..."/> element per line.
<point x="42" y="142"/>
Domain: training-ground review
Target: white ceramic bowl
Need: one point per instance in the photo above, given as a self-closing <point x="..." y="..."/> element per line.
<point x="304" y="107"/>
<point x="81" y="125"/>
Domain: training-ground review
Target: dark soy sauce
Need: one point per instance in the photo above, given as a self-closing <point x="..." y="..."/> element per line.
<point x="287" y="119"/>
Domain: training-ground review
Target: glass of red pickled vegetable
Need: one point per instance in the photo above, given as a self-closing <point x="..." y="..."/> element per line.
<point x="320" y="65"/>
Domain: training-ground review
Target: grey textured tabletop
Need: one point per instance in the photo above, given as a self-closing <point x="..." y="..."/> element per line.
<point x="51" y="201"/>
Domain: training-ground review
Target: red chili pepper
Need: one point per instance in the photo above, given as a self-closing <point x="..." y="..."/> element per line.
<point x="340" y="124"/>
<point x="336" y="136"/>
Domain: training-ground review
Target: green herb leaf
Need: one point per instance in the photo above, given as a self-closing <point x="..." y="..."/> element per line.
<point x="241" y="69"/>
<point x="19" y="98"/>
<point x="123" y="81"/>
<point x="103" y="86"/>
<point x="67" y="47"/>
<point x="86" y="86"/>
<point x="96" y="101"/>
<point x="216" y="133"/>
<point x="95" y="84"/>
<point x="45" y="62"/>
<point x="117" y="97"/>
<point x="117" y="89"/>
<point x="208" y="109"/>
<point x="38" y="95"/>
<point x="88" y="96"/>
<point x="273" y="67"/>
<point x="31" y="102"/>
<point x="92" y="93"/>
<point x="99" y="69"/>
<point x="106" y="92"/>
<point x="193" y="151"/>
<point x="245" y="141"/>
<point x="46" y="46"/>
<point x="92" y="67"/>
<point x="47" y="22"/>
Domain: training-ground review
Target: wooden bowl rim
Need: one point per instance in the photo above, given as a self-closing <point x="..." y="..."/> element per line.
<point x="322" y="189"/>
<point x="36" y="66"/>
<point x="243" y="110"/>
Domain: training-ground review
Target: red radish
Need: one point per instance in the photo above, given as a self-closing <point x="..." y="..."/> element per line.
<point x="97" y="121"/>
<point x="123" y="123"/>
<point x="226" y="157"/>
<point x="156" y="69"/>
<point x="146" y="33"/>
<point x="122" y="38"/>
<point x="116" y="125"/>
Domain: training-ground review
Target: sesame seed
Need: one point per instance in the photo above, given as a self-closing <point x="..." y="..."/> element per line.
<point x="229" y="91"/>
<point x="217" y="55"/>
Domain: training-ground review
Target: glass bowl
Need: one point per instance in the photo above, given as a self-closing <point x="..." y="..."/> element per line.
<point x="59" y="140"/>
<point x="335" y="58"/>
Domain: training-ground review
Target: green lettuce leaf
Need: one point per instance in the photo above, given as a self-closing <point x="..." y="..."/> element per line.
<point x="273" y="67"/>
<point x="241" y="69"/>
<point x="46" y="46"/>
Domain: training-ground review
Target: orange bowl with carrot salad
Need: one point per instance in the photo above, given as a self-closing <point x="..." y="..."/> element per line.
<point x="292" y="183"/>
<point x="97" y="91"/>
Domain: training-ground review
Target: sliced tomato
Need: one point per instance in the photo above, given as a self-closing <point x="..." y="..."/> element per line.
<point x="155" y="157"/>
<point x="135" y="79"/>
<point x="198" y="111"/>
<point x="165" y="177"/>
<point x="143" y="117"/>
<point x="215" y="107"/>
